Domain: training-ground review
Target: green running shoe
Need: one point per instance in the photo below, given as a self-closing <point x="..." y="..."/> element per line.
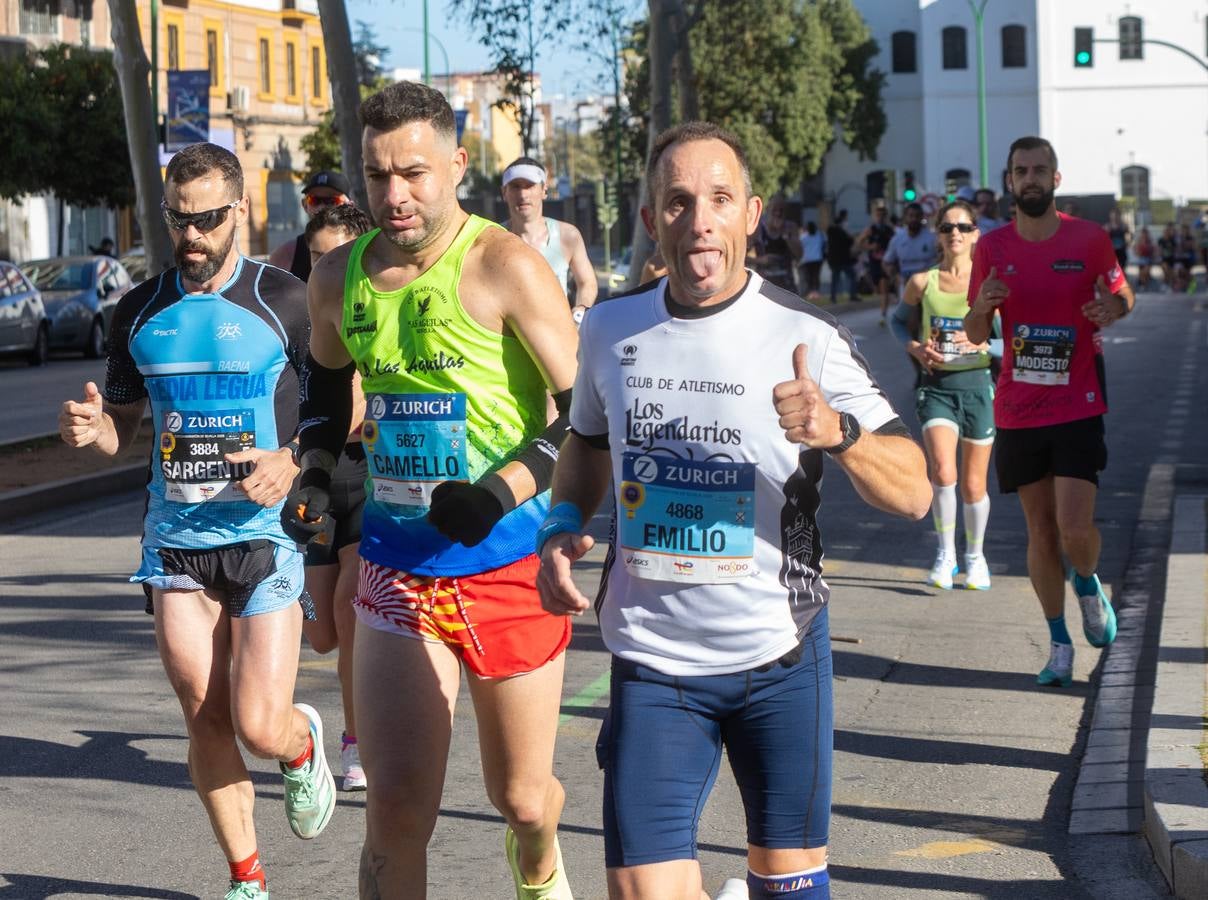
<point x="556" y="888"/>
<point x="1060" y="668"/>
<point x="246" y="890"/>
<point x="310" y="792"/>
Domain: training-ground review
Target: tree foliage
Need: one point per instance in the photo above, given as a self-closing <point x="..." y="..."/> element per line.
<point x="369" y="55"/>
<point x="785" y="75"/>
<point x="62" y="128"/>
<point x="513" y="31"/>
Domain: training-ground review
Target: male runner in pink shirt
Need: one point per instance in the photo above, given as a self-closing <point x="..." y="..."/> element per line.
<point x="1055" y="281"/>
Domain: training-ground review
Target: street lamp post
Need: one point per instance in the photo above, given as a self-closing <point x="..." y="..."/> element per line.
<point x="983" y="149"/>
<point x="444" y="55"/>
<point x="426" y="75"/>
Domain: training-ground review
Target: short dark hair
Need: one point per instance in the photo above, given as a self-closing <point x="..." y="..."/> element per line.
<point x="524" y="161"/>
<point x="345" y="217"/>
<point x="918" y="206"/>
<point x="197" y="160"/>
<point x="985" y="190"/>
<point x="1031" y="143"/>
<point x="694" y="131"/>
<point x="406" y="101"/>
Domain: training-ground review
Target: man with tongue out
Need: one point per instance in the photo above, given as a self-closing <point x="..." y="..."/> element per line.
<point x="713" y="602"/>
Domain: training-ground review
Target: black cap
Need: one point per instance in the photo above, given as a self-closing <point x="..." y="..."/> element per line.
<point x="334" y="180"/>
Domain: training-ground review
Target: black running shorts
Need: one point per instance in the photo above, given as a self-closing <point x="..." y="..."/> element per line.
<point x="1070" y="450"/>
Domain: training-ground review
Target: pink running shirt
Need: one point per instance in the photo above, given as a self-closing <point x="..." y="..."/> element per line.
<point x="1052" y="368"/>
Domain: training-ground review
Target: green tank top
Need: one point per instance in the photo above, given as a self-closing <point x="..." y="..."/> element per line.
<point x="446" y="400"/>
<point x="943" y="316"/>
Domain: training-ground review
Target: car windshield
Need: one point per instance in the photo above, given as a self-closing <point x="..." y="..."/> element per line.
<point x="59" y="276"/>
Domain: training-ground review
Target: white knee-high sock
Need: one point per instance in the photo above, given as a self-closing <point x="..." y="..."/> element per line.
<point x="943" y="514"/>
<point x="977" y="515"/>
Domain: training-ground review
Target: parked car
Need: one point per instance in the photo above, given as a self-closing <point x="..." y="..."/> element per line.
<point x="80" y="294"/>
<point x="135" y="262"/>
<point x="24" y="325"/>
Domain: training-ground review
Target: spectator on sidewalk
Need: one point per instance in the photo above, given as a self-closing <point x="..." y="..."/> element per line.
<point x="1120" y="236"/>
<point x="813" y="250"/>
<point x="839" y="257"/>
<point x="1144" y="251"/>
<point x="777" y="246"/>
<point x="874" y="240"/>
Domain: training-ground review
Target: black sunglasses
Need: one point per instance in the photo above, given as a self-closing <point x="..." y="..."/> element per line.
<point x="205" y="222"/>
<point x="962" y="227"/>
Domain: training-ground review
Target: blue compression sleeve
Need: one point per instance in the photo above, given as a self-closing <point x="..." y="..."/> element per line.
<point x="899" y="322"/>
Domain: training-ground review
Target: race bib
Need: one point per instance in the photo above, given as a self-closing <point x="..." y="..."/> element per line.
<point x="413" y="442"/>
<point x="687" y="521"/>
<point x="192" y="450"/>
<point x="944" y="332"/>
<point x="1042" y="354"/>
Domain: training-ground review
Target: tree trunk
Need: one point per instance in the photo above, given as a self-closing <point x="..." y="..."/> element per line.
<point x="346" y="92"/>
<point x="685" y="76"/>
<point x="661" y="45"/>
<point x="133" y="72"/>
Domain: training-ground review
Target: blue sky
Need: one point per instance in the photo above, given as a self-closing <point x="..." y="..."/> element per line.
<point x="398" y="25"/>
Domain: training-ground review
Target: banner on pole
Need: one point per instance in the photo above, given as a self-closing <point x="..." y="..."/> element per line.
<point x="188" y="108"/>
<point x="459" y="115"/>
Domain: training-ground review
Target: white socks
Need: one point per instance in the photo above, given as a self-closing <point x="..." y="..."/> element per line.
<point x="943" y="514"/>
<point x="977" y="515"/>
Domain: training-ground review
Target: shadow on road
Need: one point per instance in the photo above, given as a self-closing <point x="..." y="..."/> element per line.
<point x="39" y="887"/>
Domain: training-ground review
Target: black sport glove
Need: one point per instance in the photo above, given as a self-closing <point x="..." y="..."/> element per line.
<point x="306" y="519"/>
<point x="465" y="512"/>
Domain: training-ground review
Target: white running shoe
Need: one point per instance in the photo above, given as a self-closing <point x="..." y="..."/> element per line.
<point x="941" y="573"/>
<point x="1060" y="668"/>
<point x="733" y="889"/>
<point x="350" y="765"/>
<point x="977" y="573"/>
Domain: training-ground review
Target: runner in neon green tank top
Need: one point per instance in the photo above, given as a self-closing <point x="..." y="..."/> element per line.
<point x="459" y="332"/>
<point x="955" y="396"/>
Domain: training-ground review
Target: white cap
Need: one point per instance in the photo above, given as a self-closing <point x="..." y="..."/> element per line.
<point x="527" y="171"/>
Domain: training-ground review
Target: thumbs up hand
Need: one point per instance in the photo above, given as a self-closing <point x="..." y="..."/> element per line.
<point x="80" y="423"/>
<point x="992" y="293"/>
<point x="805" y="415"/>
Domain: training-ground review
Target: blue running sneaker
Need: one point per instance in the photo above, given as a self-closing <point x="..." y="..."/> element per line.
<point x="1098" y="617"/>
<point x="1060" y="668"/>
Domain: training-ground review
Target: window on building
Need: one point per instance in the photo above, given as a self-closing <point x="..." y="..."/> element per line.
<point x="317" y="66"/>
<point x="1130" y="38"/>
<point x="1014" y="47"/>
<point x="956" y="53"/>
<point x="39" y="17"/>
<point x="212" y="56"/>
<point x="1134" y="182"/>
<point x="291" y="69"/>
<point x="266" y="66"/>
<point x="902" y="44"/>
<point x="173" y="46"/>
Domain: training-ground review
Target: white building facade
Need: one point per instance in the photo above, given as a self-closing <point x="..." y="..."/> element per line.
<point x="1134" y="127"/>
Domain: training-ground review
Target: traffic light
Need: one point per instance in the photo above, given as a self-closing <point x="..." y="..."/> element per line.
<point x="909" y="194"/>
<point x="874" y="185"/>
<point x="1084" y="48"/>
<point x="949" y="189"/>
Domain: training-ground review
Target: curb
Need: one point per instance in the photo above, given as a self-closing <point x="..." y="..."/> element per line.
<point x="1176" y="794"/>
<point x="42" y="497"/>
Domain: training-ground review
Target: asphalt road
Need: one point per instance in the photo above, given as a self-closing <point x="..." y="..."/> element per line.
<point x="33" y="394"/>
<point x="953" y="772"/>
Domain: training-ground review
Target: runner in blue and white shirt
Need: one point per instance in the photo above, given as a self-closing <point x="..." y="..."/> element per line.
<point x="217" y="345"/>
<point x="709" y="401"/>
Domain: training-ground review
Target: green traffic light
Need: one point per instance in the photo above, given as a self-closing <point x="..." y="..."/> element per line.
<point x="1082" y="58"/>
<point x="909" y="194"/>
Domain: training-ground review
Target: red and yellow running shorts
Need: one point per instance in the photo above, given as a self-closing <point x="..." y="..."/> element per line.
<point x="493" y="619"/>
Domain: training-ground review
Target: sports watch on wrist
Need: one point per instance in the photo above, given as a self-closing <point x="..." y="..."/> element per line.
<point x="293" y="447"/>
<point x="850" y="426"/>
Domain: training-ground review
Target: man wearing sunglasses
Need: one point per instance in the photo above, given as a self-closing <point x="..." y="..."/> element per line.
<point x="323" y="190"/>
<point x="217" y="344"/>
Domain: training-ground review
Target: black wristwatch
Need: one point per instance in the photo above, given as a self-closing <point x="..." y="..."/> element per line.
<point x="293" y="447"/>
<point x="851" y="433"/>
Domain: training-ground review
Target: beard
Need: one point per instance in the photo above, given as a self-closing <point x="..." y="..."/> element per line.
<point x="432" y="227"/>
<point x="203" y="271"/>
<point x="1033" y="204"/>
